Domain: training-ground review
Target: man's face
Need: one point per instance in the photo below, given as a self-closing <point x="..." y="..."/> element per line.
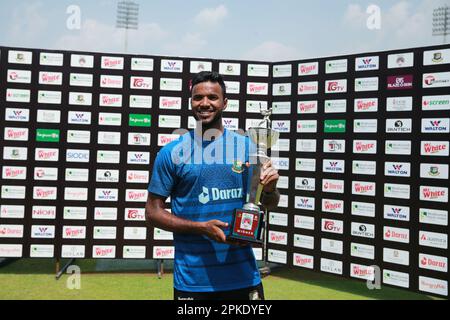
<point x="208" y="103"/>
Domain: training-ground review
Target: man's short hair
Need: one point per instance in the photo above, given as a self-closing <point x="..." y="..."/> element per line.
<point x="209" y="76"/>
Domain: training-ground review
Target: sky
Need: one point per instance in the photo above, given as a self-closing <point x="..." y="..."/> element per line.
<point x="261" y="30"/>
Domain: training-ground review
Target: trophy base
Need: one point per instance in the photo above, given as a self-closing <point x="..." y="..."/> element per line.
<point x="247" y="226"/>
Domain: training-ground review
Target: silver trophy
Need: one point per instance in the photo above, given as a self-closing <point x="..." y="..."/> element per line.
<point x="248" y="222"/>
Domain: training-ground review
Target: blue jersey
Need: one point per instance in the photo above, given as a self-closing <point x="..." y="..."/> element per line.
<point x="205" y="181"/>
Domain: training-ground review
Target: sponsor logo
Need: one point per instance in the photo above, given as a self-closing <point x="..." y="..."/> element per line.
<point x="112" y="63"/>
<point x="106" y="194"/>
<point x="257" y="88"/>
<point x="304" y="203"/>
<point x="363" y="188"/>
<point x="304" y="261"/>
<point x="335" y="126"/>
<point x="402" y="60"/>
<point x="74" y="232"/>
<point x="436" y="194"/>
<point x="398" y="126"/>
<point x="77" y="155"/>
<point x="21" y="115"/>
<point x="308" y="87"/>
<point x="305" y="165"/>
<point x="50" y="78"/>
<point x="140" y="120"/>
<point x="365" y="126"/>
<point x="435" y="103"/>
<point x="366" y="84"/>
<point x="363" y="146"/>
<point x="171" y="65"/>
<point x="398" y="191"/>
<point x="440" y="125"/>
<point x="396" y="213"/>
<point x="304" y="222"/>
<point x="134" y="214"/>
<point x="397" y="169"/>
<point x="107" y="100"/>
<point x="435" y="286"/>
<point x="307" y="126"/>
<point x="434" y="148"/>
<point x="334" y="166"/>
<point x="332" y="226"/>
<point x="433" y="171"/>
<point x="18" y="95"/>
<point x="47" y="135"/>
<point x="432" y="216"/>
<point x="367" y="63"/>
<point x="336" y="86"/>
<point x="433" y="262"/>
<point x="307" y="107"/>
<point x="163" y="252"/>
<point x="306" y="69"/>
<point x="336" y="66"/>
<point x="334" y="206"/>
<point x="331" y="266"/>
<point x="217" y="194"/>
<point x="363" y="209"/>
<point x="433" y="239"/>
<point x="398" y="147"/>
<point x="51" y="59"/>
<point x="396" y="234"/>
<point x="17" y="134"/>
<point x="136" y="195"/>
<point x="400" y="82"/>
<point x="19" y="76"/>
<point x="141" y="83"/>
<point x="366" y="105"/>
<point x="333" y="186"/>
<point x="335" y="106"/>
<point x="278" y="237"/>
<point x="258" y="70"/>
<point x="282" y="71"/>
<point x="11" y="231"/>
<point x="399" y="104"/>
<point x="436" y="80"/>
<point x="362" y="272"/>
<point x="335" y="146"/>
<point x="363" y="230"/>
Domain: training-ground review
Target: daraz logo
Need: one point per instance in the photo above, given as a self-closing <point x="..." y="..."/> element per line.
<point x="218" y="194"/>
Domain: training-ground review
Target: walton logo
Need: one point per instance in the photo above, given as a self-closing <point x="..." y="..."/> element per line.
<point x="217" y="194"/>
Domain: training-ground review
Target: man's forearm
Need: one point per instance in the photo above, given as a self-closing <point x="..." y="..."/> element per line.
<point x="270" y="200"/>
<point x="165" y="220"/>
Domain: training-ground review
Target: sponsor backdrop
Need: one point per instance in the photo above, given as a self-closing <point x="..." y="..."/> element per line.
<point x="363" y="156"/>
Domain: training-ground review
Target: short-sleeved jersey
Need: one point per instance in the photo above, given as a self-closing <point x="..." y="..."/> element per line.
<point x="206" y="180"/>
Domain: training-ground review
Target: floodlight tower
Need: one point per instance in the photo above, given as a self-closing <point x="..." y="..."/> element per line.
<point x="127" y="17"/>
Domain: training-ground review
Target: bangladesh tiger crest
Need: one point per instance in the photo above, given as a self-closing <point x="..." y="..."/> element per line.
<point x="238" y="166"/>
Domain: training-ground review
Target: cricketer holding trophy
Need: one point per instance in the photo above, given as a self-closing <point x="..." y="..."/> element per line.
<point x="216" y="180"/>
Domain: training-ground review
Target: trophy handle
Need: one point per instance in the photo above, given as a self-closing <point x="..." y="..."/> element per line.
<point x="258" y="193"/>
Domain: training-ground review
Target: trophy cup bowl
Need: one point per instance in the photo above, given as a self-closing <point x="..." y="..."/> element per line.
<point x="248" y="222"/>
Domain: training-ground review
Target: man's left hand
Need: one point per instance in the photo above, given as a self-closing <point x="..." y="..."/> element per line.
<point x="269" y="177"/>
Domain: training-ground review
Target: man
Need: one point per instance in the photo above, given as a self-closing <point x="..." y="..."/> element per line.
<point x="203" y="172"/>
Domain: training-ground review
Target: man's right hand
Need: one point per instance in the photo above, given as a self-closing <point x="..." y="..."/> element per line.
<point x="213" y="230"/>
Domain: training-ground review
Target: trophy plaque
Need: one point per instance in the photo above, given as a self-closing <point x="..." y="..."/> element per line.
<point x="248" y="223"/>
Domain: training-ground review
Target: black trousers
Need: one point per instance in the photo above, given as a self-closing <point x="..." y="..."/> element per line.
<point x="246" y="294"/>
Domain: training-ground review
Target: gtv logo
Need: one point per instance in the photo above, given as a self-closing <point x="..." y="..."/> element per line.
<point x="217" y="194"/>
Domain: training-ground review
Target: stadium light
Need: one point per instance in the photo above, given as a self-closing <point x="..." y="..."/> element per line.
<point x="441" y="22"/>
<point x="127" y="17"/>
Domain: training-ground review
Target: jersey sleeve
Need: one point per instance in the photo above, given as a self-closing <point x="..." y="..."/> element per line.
<point x="164" y="178"/>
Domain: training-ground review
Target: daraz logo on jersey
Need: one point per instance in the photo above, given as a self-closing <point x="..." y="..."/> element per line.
<point x="215" y="194"/>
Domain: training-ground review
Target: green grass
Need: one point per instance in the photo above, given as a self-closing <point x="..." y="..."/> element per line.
<point x="31" y="279"/>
